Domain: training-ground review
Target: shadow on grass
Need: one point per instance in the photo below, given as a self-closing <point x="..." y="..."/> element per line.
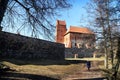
<point x="23" y="76"/>
<point x="43" y="62"/>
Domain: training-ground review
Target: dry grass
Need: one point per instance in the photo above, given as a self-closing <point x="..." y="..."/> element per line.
<point x="90" y="59"/>
<point x="54" y="69"/>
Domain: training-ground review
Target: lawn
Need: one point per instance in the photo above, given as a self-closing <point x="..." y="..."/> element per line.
<point x="85" y="59"/>
<point x="49" y="68"/>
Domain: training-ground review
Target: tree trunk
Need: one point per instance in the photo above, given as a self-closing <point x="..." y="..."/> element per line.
<point x="106" y="55"/>
<point x="3" y="7"/>
<point x="116" y="68"/>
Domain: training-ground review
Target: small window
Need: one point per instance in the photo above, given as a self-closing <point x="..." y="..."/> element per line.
<point x="75" y="45"/>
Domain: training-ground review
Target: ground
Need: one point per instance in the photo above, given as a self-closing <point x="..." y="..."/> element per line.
<point x="95" y="73"/>
<point x="52" y="70"/>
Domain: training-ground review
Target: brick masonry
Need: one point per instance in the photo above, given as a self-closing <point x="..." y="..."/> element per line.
<point x="22" y="47"/>
<point x="82" y="52"/>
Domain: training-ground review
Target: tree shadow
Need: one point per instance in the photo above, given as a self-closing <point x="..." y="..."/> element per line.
<point x="43" y="62"/>
<point x="13" y="75"/>
<point x="23" y="76"/>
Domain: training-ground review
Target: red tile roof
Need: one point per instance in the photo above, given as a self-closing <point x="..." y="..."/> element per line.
<point x="60" y="22"/>
<point x="79" y="30"/>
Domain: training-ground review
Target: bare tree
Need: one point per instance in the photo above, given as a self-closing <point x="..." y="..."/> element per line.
<point x="3" y="6"/>
<point x="105" y="16"/>
<point x="115" y="68"/>
<point x="35" y="15"/>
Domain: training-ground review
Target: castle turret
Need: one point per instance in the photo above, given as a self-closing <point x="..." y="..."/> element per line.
<point x="60" y="31"/>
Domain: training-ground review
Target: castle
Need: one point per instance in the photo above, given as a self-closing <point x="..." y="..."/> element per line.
<point x="79" y="37"/>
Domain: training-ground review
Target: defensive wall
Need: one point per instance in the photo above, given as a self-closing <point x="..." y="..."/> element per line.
<point x="81" y="52"/>
<point x="22" y="47"/>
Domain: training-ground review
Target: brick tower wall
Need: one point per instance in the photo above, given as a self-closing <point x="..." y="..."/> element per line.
<point x="60" y="31"/>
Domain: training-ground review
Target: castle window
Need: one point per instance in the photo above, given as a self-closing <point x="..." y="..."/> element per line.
<point x="75" y="45"/>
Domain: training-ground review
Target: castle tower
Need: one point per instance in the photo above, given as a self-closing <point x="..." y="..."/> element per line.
<point x="60" y="31"/>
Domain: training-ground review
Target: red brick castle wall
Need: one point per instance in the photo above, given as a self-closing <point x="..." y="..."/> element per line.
<point x="60" y="31"/>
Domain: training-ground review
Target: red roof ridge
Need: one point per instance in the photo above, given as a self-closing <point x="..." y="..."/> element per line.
<point x="79" y="30"/>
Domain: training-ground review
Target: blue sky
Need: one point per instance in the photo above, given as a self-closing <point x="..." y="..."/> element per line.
<point x="75" y="16"/>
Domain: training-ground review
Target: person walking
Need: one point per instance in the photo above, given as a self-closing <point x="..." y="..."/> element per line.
<point x="88" y="64"/>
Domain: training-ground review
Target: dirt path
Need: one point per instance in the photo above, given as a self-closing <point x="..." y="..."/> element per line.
<point x="94" y="74"/>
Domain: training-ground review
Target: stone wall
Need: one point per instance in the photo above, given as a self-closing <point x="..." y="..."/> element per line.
<point x="82" y="52"/>
<point x="18" y="46"/>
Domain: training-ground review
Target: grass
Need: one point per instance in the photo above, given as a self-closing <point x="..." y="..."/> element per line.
<point x="90" y="59"/>
<point x="49" y="68"/>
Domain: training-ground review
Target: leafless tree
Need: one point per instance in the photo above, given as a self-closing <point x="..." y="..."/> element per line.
<point x="105" y="16"/>
<point x="35" y="15"/>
